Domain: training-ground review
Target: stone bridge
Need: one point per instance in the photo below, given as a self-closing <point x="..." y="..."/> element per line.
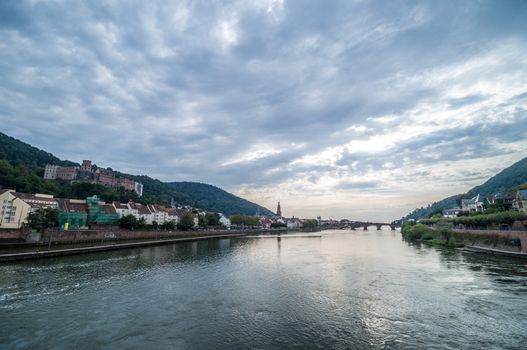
<point x="364" y="225"/>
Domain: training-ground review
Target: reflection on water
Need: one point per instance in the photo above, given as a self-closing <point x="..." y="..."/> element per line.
<point x="343" y="290"/>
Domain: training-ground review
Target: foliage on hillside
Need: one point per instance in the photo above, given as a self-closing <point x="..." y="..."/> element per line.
<point x="22" y="168"/>
<point x="481" y="221"/>
<point x="29" y="179"/>
<point x="505" y="180"/>
<point x="20" y="153"/>
<point x="215" y="199"/>
<point x="508" y="179"/>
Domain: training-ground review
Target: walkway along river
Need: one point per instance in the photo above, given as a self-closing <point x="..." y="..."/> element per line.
<point x="345" y="289"/>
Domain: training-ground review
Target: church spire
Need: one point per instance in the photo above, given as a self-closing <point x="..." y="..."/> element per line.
<point x="278" y="210"/>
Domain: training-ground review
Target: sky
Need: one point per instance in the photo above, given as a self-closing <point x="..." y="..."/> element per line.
<point x="345" y="109"/>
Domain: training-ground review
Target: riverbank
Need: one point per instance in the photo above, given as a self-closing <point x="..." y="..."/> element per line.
<point x="444" y="235"/>
<point x="499" y="252"/>
<point x="20" y="239"/>
<point x="106" y="247"/>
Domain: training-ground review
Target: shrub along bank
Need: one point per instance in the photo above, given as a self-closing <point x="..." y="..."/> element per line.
<point x="441" y="233"/>
<point x="481" y="221"/>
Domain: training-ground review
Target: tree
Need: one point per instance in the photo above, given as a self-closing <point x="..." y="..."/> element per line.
<point x="310" y="223"/>
<point x="43" y="218"/>
<point x="186" y="222"/>
<point x="444" y="227"/>
<point x="213" y="219"/>
<point x="245" y="220"/>
<point x="129" y="222"/>
<point x="170" y="225"/>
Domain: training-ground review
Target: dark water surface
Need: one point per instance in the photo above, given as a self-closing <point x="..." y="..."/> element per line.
<point x="343" y="290"/>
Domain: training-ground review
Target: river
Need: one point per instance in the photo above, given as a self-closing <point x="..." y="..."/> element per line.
<point x="346" y="289"/>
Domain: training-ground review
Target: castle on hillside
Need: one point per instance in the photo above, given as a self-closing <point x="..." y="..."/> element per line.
<point x="89" y="173"/>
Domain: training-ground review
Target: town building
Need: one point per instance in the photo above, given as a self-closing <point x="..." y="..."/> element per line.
<point x="172" y="215"/>
<point x="452" y="212"/>
<point x="293" y="223"/>
<point x="86" y="165"/>
<point x="13" y="210"/>
<point x="278" y="210"/>
<point x="127" y="184"/>
<point x="266" y="222"/>
<point x="105" y="177"/>
<point x="472" y="205"/>
<point x="87" y="173"/>
<point x="225" y="221"/>
<point x="520" y="203"/>
<point x="138" y="188"/>
<point x="16" y="206"/>
<point x="143" y="212"/>
<point x="79" y="213"/>
<point x="67" y="173"/>
<point x="50" y="172"/>
<point x="122" y="209"/>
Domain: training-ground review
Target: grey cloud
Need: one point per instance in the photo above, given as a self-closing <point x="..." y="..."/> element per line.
<point x="148" y="87"/>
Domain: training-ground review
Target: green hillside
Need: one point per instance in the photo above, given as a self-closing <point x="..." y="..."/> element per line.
<point x="208" y="196"/>
<point x="20" y="153"/>
<point x="22" y="168"/>
<point x="506" y="180"/>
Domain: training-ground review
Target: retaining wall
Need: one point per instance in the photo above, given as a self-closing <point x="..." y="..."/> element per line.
<point x="521" y="235"/>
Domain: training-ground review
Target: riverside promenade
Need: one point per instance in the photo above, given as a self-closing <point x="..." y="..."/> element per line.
<point x="38" y="254"/>
<point x="21" y="245"/>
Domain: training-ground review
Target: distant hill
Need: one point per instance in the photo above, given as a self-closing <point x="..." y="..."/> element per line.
<point x="20" y="153"/>
<point x="505" y="180"/>
<point x="216" y="199"/>
<point x="22" y="167"/>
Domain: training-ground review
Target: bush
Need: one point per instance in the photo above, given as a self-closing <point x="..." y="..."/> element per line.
<point x="427" y="237"/>
<point x="186" y="222"/>
<point x="416" y="232"/>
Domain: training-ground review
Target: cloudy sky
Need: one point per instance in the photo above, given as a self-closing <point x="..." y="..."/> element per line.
<point x="357" y="109"/>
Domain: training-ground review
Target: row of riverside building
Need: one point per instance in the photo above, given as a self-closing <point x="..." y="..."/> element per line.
<point x="15" y="208"/>
<point x="79" y="213"/>
<point x="516" y="200"/>
<point x="88" y="173"/>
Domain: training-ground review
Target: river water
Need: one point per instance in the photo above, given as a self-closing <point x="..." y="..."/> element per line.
<point x="344" y="290"/>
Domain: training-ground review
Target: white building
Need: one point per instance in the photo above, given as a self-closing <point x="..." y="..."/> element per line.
<point x="293" y="223"/>
<point x="13" y="210"/>
<point x="520" y="203"/>
<point x="225" y="221"/>
<point x="452" y="213"/>
<point x="472" y="205"/>
<point x="138" y="188"/>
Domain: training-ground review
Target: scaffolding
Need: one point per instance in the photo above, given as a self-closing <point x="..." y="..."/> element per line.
<point x="98" y="212"/>
<point x="92" y="212"/>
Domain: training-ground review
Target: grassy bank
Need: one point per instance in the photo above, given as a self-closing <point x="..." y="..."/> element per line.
<point x="441" y="234"/>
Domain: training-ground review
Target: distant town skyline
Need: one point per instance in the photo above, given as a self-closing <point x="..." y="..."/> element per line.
<point x="343" y="109"/>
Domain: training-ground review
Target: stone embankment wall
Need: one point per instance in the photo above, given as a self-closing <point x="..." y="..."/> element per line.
<point x="112" y="233"/>
<point x="14" y="235"/>
<point x="482" y="234"/>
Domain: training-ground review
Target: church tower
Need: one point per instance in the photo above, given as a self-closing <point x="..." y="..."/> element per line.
<point x="278" y="210"/>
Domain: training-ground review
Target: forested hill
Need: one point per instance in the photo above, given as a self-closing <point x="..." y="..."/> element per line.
<point x="20" y="153"/>
<point x="208" y="196"/>
<point x="22" y="167"/>
<point x="508" y="179"/>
